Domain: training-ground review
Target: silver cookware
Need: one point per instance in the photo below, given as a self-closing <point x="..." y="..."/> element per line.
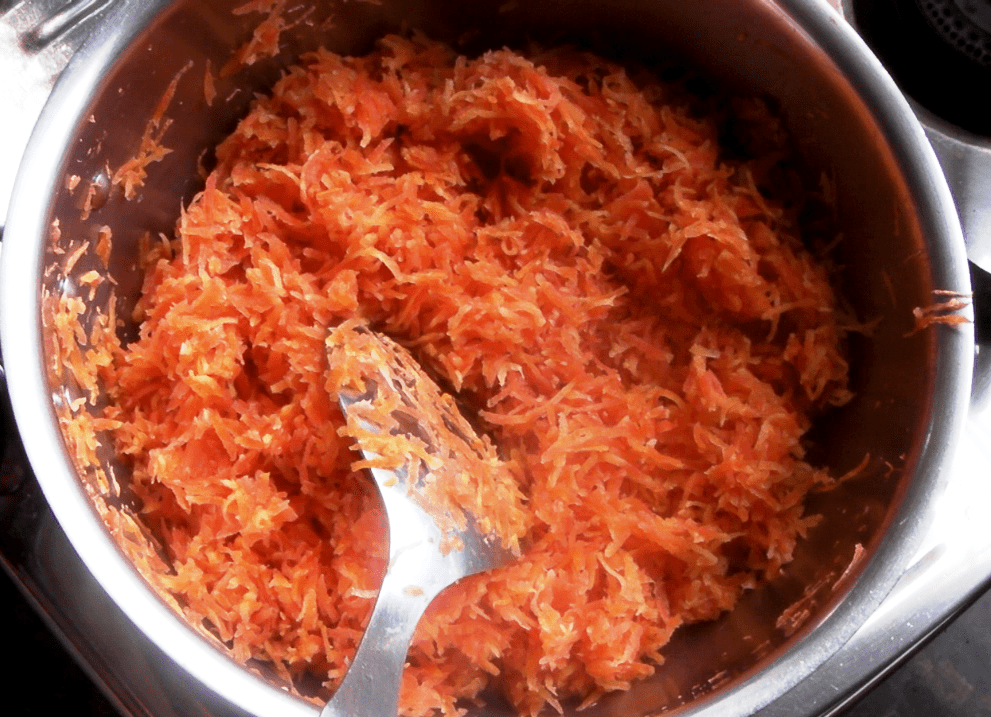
<point x="902" y="242"/>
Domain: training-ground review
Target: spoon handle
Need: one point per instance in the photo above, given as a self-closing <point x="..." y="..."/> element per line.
<point x="371" y="686"/>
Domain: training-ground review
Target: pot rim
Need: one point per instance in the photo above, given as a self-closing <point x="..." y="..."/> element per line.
<point x="28" y="225"/>
<point x="21" y="333"/>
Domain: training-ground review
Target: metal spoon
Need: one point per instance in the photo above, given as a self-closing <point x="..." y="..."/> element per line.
<point x="429" y="549"/>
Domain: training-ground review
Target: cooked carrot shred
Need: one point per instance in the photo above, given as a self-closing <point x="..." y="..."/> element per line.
<point x="943" y="311"/>
<point x="132" y="174"/>
<point x="565" y="245"/>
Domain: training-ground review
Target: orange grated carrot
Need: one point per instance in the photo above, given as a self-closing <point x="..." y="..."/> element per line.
<point x="209" y="84"/>
<point x="559" y="241"/>
<point x="131" y="175"/>
<point x="942" y="311"/>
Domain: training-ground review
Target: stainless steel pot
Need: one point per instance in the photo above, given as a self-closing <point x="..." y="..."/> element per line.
<point x="902" y="241"/>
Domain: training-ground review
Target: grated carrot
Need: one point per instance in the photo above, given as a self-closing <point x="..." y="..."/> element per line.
<point x="132" y="173"/>
<point x="941" y="311"/>
<point x="562" y="243"/>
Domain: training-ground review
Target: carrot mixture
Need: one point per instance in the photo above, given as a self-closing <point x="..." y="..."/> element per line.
<point x="562" y="243"/>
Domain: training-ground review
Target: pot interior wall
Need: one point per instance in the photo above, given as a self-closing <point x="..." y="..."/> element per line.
<point x="753" y="48"/>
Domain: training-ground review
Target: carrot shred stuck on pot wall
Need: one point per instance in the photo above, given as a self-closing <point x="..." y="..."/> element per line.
<point x="564" y="245"/>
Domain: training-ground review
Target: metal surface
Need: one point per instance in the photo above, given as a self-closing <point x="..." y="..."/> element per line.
<point x="952" y="567"/>
<point x="840" y="103"/>
<point x="966" y="161"/>
<point x="130" y="670"/>
<point x="37" y="39"/>
<point x="110" y="39"/>
<point x="427" y="551"/>
<point x="143" y="682"/>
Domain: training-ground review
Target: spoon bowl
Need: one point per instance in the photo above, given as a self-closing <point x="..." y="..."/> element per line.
<point x="410" y="435"/>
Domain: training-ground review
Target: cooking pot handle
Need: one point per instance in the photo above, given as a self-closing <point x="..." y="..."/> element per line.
<point x="37" y="40"/>
<point x="966" y="162"/>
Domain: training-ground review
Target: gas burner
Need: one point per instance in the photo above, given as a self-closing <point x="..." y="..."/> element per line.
<point x="964" y="24"/>
<point x="939" y="52"/>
